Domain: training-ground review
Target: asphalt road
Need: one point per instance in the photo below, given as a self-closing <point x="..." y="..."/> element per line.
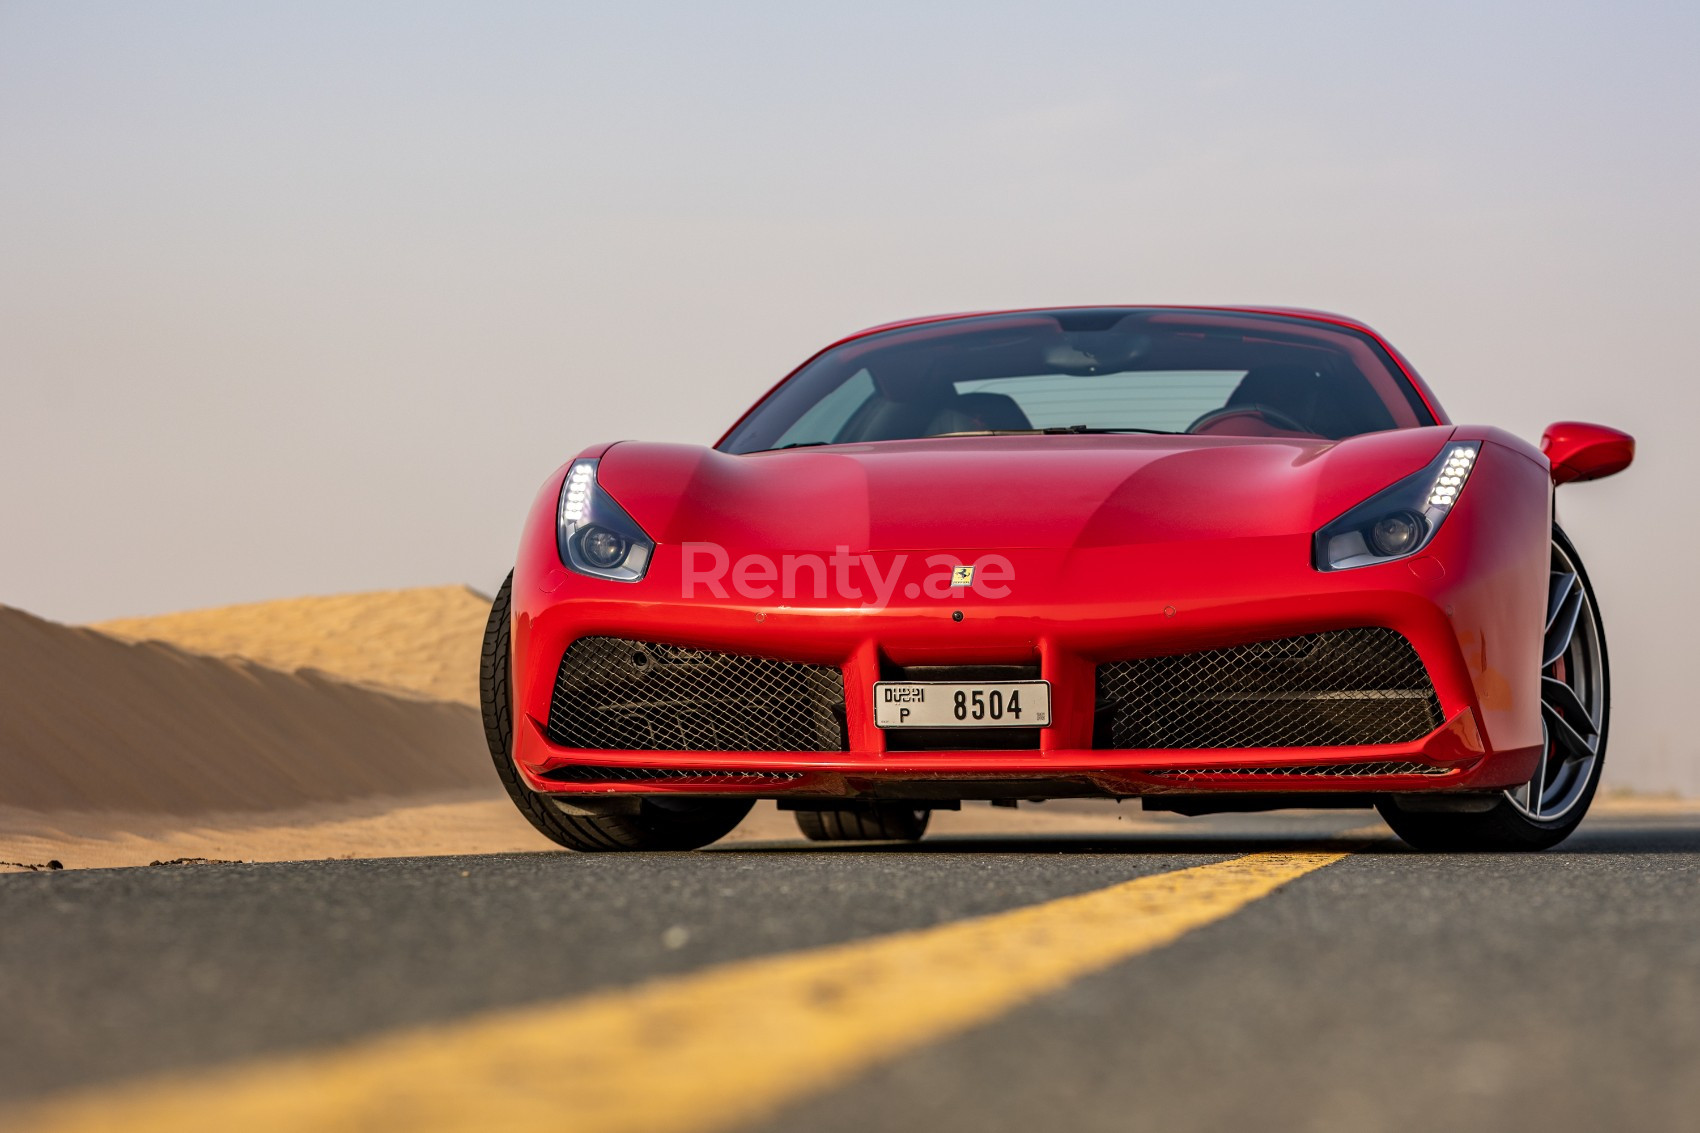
<point x="1387" y="990"/>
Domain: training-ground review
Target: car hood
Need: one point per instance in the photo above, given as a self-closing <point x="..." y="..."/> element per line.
<point x="1005" y="492"/>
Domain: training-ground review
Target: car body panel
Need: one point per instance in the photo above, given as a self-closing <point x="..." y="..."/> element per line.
<point x="1005" y="492"/>
<point x="1120" y="546"/>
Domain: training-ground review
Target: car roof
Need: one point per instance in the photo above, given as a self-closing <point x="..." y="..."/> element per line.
<point x="1259" y="309"/>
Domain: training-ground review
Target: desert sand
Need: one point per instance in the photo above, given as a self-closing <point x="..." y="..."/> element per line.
<point x="100" y="724"/>
<point x="120" y="751"/>
<point x="423" y="640"/>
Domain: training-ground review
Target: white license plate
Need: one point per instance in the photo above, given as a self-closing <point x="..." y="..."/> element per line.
<point x="973" y="704"/>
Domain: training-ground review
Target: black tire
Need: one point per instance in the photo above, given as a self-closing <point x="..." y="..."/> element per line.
<point x="660" y="824"/>
<point x="1506" y="827"/>
<point x="870" y="822"/>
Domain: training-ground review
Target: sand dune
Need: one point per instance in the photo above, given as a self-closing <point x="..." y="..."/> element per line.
<point x="425" y="640"/>
<point x="92" y="723"/>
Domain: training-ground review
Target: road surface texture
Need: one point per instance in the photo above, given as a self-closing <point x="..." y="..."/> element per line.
<point x="1312" y="975"/>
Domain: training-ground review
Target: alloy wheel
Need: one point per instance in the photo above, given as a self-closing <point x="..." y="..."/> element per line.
<point x="1572" y="697"/>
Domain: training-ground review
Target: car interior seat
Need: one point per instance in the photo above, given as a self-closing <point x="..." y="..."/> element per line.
<point x="1325" y="403"/>
<point x="972" y="412"/>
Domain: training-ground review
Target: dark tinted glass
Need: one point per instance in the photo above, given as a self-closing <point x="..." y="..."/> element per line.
<point x="1169" y="371"/>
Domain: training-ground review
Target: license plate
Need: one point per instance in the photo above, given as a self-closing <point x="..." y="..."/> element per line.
<point x="975" y="704"/>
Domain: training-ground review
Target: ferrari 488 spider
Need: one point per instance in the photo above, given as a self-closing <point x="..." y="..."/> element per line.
<point x="1218" y="559"/>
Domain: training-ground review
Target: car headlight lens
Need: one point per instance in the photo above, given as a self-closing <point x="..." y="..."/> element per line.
<point x="1401" y="520"/>
<point x="595" y="535"/>
<point x="1396" y="534"/>
<point x="602" y="547"/>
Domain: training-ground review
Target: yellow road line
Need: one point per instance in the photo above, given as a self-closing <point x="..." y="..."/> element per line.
<point x="697" y="1052"/>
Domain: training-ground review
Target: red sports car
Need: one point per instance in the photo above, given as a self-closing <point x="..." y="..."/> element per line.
<point x="1221" y="559"/>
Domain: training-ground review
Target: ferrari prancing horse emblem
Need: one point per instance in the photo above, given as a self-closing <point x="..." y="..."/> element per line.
<point x="962" y="576"/>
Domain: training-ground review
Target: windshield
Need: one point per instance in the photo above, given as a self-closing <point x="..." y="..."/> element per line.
<point x="1094" y="370"/>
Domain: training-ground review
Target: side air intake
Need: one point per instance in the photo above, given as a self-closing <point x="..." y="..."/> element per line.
<point x="625" y="695"/>
<point x="1344" y="687"/>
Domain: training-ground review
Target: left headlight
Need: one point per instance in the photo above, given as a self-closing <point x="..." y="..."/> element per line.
<point x="595" y="535"/>
<point x="1398" y="521"/>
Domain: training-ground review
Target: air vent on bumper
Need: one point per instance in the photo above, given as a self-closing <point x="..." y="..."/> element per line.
<point x="1343" y="687"/>
<point x="616" y="694"/>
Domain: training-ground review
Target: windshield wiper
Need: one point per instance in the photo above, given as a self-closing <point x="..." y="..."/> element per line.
<point x="1094" y="429"/>
<point x="1053" y="430"/>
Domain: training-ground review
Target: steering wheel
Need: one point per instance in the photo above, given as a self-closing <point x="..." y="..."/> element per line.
<point x="1270" y="414"/>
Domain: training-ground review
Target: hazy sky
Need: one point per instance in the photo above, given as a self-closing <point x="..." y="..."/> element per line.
<point x="301" y="298"/>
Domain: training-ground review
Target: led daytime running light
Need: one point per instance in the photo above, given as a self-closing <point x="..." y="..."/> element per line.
<point x="1452" y="476"/>
<point x="576" y="499"/>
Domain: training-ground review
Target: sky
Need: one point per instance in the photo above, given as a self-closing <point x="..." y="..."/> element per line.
<point x="302" y="298"/>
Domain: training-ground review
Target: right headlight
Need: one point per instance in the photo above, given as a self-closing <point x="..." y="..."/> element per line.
<point x="594" y="534"/>
<point x="1398" y="521"/>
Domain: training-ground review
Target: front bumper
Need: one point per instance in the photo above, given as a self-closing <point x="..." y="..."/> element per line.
<point x="1450" y="758"/>
<point x="1471" y="606"/>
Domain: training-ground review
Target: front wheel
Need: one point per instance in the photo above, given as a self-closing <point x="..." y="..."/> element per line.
<point x="1575" y="713"/>
<point x="661" y="823"/>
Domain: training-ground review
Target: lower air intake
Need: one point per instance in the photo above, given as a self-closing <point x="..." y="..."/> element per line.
<point x="1306" y="770"/>
<point x="1351" y="686"/>
<point x="590" y="773"/>
<point x="625" y="695"/>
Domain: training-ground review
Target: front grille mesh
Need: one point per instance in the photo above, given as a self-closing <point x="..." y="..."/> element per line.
<point x="1351" y="686"/>
<point x="1305" y="770"/>
<point x="641" y="696"/>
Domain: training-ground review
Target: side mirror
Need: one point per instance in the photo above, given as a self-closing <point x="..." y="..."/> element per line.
<point x="1580" y="451"/>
